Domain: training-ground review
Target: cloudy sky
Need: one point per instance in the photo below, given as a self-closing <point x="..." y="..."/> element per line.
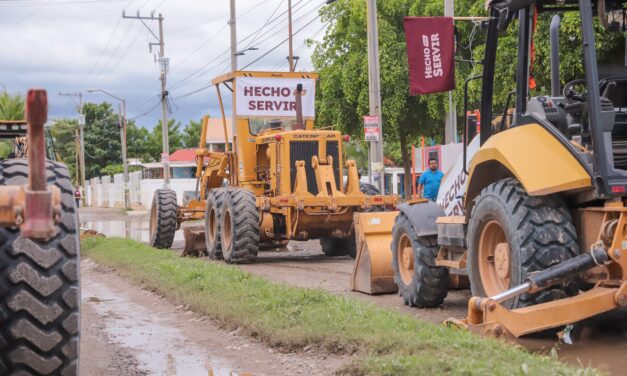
<point x="74" y="45"/>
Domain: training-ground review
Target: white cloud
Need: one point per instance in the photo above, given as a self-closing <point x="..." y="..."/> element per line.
<point x="60" y="45"/>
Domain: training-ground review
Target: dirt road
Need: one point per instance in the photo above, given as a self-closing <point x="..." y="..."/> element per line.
<point x="128" y="331"/>
<point x="303" y="264"/>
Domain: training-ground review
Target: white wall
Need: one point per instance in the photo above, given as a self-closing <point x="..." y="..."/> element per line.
<point x="108" y="192"/>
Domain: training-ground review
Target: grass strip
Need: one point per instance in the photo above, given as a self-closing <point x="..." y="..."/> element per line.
<point x="385" y="342"/>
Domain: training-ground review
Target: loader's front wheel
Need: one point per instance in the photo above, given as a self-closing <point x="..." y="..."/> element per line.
<point x="239" y="227"/>
<point x="332" y="247"/>
<point x="419" y="281"/>
<point x="512" y="234"/>
<point x="213" y="216"/>
<point x="39" y="287"/>
<point x="163" y="214"/>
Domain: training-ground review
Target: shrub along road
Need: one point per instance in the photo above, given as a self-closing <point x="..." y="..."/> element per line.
<point x="291" y="318"/>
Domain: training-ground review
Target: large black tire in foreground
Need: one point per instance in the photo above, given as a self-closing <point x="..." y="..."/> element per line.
<point x="511" y="234"/>
<point x="163" y="218"/>
<point x="332" y="247"/>
<point x="39" y="288"/>
<point x="213" y="217"/>
<point x="420" y="283"/>
<point x="239" y="229"/>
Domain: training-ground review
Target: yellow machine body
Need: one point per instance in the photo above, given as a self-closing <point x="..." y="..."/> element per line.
<point x="533" y="156"/>
<point x="296" y="173"/>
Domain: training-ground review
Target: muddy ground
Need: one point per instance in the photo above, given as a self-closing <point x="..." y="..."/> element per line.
<point x="130" y="331"/>
<point x="601" y="343"/>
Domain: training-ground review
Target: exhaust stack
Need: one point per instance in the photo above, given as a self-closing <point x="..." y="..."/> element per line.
<point x="299" y="108"/>
<point x="555" y="56"/>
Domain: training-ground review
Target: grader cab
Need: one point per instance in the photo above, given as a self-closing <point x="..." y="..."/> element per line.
<point x="543" y="240"/>
<point x="283" y="180"/>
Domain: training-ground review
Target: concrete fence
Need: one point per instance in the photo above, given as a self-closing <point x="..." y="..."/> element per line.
<point x="108" y="192"/>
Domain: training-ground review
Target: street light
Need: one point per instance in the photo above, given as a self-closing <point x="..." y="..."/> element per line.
<point x="123" y="140"/>
<point x="242" y="52"/>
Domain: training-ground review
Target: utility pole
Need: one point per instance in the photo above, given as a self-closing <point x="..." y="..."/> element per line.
<point x="122" y="121"/>
<point x="81" y="138"/>
<point x="374" y="90"/>
<point x="164" y="64"/>
<point x="289" y="30"/>
<point x="450" y="123"/>
<point x="233" y="27"/>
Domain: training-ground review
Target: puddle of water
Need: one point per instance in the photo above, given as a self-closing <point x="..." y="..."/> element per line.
<point x="160" y="348"/>
<point x="600" y="342"/>
<point x="135" y="229"/>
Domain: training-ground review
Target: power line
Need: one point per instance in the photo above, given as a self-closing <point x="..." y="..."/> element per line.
<point x="202" y="70"/>
<point x="112" y="55"/>
<point x="281" y="43"/>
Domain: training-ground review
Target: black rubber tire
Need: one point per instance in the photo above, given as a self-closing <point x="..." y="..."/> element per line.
<point x="215" y="200"/>
<point x="368" y="189"/>
<point x="39" y="287"/>
<point x="429" y="284"/>
<point x="371" y="190"/>
<point x="539" y="230"/>
<point x="239" y="222"/>
<point x="163" y="214"/>
<point x="332" y="247"/>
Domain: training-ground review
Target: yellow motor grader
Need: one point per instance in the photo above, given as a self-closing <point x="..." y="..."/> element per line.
<point x="543" y="240"/>
<point x="283" y="180"/>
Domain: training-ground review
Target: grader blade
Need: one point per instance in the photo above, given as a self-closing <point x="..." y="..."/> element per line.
<point x="373" y="272"/>
<point x="194" y="236"/>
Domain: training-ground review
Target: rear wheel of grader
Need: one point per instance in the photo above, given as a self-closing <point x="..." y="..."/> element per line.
<point x="163" y="218"/>
<point x="511" y="234"/>
<point x="420" y="283"/>
<point x="39" y="286"/>
<point x="213" y="216"/>
<point x="239" y="227"/>
<point x="332" y="247"/>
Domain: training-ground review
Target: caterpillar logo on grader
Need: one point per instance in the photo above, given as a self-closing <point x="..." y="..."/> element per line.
<point x="282" y="181"/>
<point x="543" y="240"/>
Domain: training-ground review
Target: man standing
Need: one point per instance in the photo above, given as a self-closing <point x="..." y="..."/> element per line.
<point x="429" y="183"/>
<point x="77" y="196"/>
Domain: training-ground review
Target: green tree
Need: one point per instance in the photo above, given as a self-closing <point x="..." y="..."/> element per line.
<point x="102" y="138"/>
<point x="137" y="141"/>
<point x="341" y="59"/>
<point x="64" y="133"/>
<point x="11" y="106"/>
<point x="191" y="134"/>
<point x="154" y="146"/>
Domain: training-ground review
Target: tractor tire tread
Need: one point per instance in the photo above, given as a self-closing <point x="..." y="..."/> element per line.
<point x="245" y="226"/>
<point x="164" y="202"/>
<point x="545" y="232"/>
<point x="39" y="286"/>
<point x="429" y="285"/>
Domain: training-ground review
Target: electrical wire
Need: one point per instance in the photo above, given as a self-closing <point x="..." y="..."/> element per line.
<point x="199" y="72"/>
<point x="280" y="44"/>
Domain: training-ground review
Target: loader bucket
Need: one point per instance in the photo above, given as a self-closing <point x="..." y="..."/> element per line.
<point x="373" y="272"/>
<point x="194" y="236"/>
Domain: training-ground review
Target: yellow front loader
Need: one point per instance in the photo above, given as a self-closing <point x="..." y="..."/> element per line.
<point x="543" y="239"/>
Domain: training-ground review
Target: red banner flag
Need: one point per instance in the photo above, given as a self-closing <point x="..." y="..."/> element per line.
<point x="431" y="54"/>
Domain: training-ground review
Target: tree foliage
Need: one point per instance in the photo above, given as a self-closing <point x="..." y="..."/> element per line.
<point x="341" y="59"/>
<point x="191" y="134"/>
<point x="11" y="106"/>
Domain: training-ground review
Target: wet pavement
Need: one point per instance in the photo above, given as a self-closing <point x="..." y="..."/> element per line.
<point x="128" y="331"/>
<point x="600" y="343"/>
